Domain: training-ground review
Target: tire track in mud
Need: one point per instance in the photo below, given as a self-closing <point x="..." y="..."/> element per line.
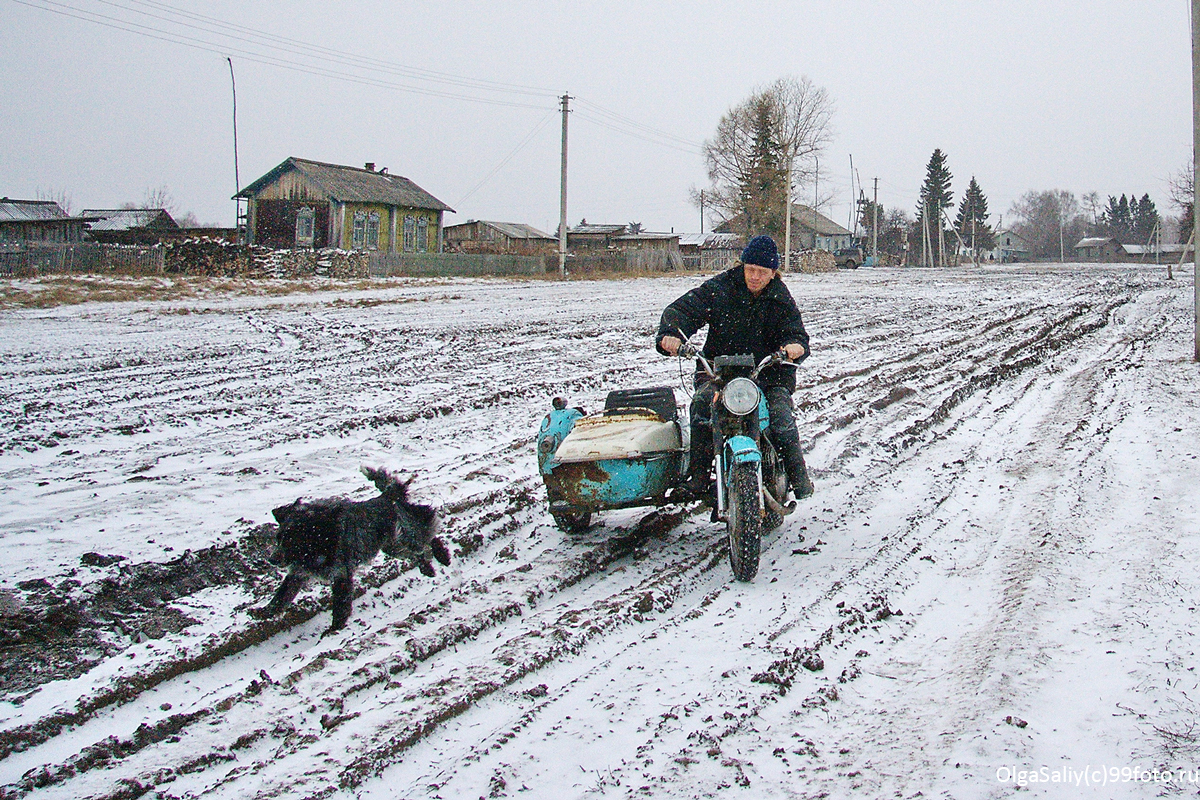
<point x="365" y="669"/>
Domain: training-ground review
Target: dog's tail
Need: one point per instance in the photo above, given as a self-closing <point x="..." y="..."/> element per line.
<point x="389" y="485"/>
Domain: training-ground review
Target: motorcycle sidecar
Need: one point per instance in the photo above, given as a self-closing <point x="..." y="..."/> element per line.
<point x="631" y="454"/>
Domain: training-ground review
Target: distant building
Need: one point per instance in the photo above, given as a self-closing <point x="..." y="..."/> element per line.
<point x="1009" y="246"/>
<point x="38" y="221"/>
<point x="594" y="237"/>
<point x="303" y="203"/>
<point x="130" y="225"/>
<point x="709" y="251"/>
<point x="485" y="236"/>
<point x="811" y="230"/>
<point x="1100" y="248"/>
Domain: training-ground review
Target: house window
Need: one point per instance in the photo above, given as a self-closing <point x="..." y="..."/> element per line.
<point x="304" y="227"/>
<point x="422" y="235"/>
<point x="358" y="237"/>
<point x="410" y="234"/>
<point x="373" y="230"/>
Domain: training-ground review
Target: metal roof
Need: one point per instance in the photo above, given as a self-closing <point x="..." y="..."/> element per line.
<point x="816" y="221"/>
<point x="31" y="211"/>
<point x="647" y="237"/>
<point x="513" y="230"/>
<point x="584" y="228"/>
<point x="352" y="184"/>
<point x="707" y="240"/>
<point x="1095" y="241"/>
<point x="127" y="219"/>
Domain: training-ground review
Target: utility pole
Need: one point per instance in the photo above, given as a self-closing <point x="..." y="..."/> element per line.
<point x="875" y="225"/>
<point x="1195" y="149"/>
<point x="853" y="201"/>
<point x="701" y="212"/>
<point x="237" y="203"/>
<point x="562" y="202"/>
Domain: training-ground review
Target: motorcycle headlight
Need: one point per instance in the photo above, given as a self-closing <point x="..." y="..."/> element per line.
<point x="740" y="396"/>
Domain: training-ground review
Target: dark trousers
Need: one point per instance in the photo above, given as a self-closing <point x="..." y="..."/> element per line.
<point x="782" y="427"/>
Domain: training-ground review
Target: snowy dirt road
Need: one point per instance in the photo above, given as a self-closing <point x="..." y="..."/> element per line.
<point x="997" y="574"/>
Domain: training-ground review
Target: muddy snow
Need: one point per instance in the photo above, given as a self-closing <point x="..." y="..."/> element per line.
<point x="994" y="586"/>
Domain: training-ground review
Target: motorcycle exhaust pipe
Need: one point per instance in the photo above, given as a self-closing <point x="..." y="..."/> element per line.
<point x="781" y="510"/>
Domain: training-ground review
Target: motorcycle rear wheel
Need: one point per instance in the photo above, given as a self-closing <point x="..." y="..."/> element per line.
<point x="744" y="521"/>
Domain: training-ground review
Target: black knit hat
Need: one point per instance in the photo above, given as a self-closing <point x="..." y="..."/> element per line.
<point x="761" y="252"/>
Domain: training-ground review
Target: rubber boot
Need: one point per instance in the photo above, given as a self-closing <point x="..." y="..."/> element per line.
<point x="798" y="480"/>
<point x="698" y="485"/>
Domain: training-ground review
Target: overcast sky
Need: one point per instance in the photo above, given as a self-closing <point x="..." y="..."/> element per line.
<point x="1085" y="96"/>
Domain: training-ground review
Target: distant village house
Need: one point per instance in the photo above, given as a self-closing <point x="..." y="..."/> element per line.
<point x="130" y="225"/>
<point x="811" y="230"/>
<point x="23" y="221"/>
<point x="303" y="203"/>
<point x="485" y="236"/>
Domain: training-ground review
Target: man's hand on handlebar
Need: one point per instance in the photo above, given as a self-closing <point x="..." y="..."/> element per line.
<point x="671" y="344"/>
<point x="794" y="351"/>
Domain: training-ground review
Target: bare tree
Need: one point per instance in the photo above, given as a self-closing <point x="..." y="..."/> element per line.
<point x="160" y="198"/>
<point x="1180" y="188"/>
<point x="764" y="147"/>
<point x="1050" y="221"/>
<point x="59" y="196"/>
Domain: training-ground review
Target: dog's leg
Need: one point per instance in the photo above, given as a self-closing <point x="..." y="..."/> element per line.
<point x="286" y="593"/>
<point x="343" y="601"/>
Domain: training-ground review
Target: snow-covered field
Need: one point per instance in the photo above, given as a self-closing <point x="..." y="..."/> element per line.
<point x="995" y="584"/>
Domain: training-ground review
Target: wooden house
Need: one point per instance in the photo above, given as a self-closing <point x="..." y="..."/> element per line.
<point x="303" y="203"/>
<point x="811" y="230"/>
<point x="485" y="236"/>
<point x="130" y="225"/>
<point x="23" y="221"/>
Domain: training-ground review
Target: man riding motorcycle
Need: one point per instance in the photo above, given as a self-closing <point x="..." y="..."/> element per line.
<point x="748" y="309"/>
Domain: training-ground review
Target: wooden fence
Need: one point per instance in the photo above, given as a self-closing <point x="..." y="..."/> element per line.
<point x="39" y="258"/>
<point x="385" y="265"/>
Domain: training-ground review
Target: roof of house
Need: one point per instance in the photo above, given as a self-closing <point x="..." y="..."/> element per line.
<point x="31" y="211"/>
<point x="709" y="240"/>
<point x="608" y="230"/>
<point x="352" y="184"/>
<point x="128" y="219"/>
<point x="513" y="230"/>
<point x="647" y="236"/>
<point x="803" y="215"/>
<point x="816" y="221"/>
<point x="1095" y="241"/>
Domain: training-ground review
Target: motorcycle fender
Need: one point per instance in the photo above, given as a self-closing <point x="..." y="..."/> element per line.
<point x="555" y="427"/>
<point x="742" y="449"/>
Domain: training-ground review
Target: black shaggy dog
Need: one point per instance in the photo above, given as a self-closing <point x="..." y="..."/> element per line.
<point x="329" y="538"/>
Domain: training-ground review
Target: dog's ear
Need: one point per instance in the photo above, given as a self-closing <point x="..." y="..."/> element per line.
<point x="284" y="514"/>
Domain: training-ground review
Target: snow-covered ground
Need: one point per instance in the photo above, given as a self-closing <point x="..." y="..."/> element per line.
<point x="995" y="584"/>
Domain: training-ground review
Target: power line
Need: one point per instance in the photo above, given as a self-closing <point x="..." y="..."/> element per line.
<point x="508" y="157"/>
<point x="172" y="37"/>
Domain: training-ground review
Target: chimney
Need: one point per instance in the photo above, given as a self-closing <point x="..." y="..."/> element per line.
<point x="383" y="170"/>
<point x="370" y="166"/>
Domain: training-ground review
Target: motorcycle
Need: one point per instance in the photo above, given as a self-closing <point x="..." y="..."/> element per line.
<point x="636" y="451"/>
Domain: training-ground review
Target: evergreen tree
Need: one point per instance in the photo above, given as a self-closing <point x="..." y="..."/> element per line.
<point x="764" y="188"/>
<point x="1117" y="220"/>
<point x="935" y="199"/>
<point x="1143" y="219"/>
<point x="972" y="220"/>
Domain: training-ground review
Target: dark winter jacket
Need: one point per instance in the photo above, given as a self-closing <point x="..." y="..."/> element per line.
<point x="738" y="322"/>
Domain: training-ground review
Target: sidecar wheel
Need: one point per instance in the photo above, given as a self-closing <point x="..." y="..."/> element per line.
<point x="573" y="522"/>
<point x="744" y="521"/>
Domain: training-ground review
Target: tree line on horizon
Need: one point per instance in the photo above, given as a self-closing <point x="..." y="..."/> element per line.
<point x="768" y="146"/>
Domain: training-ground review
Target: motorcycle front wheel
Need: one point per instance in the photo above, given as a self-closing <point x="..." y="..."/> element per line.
<point x="744" y="520"/>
